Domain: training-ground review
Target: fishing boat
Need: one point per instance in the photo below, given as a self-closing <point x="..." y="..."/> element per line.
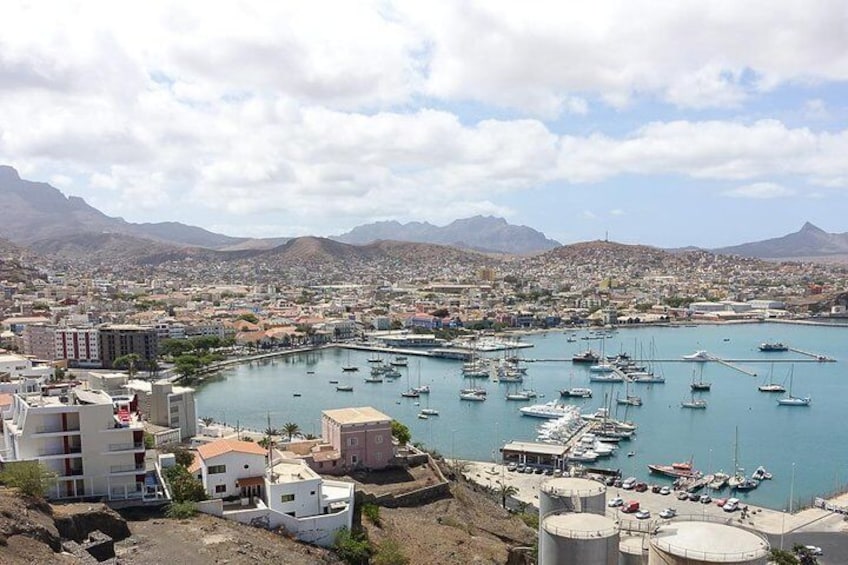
<point x="587" y="356"/>
<point x="790" y="400"/>
<point x="770" y="347"/>
<point x="676" y="470"/>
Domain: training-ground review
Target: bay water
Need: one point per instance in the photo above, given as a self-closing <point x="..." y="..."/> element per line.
<point x="810" y="440"/>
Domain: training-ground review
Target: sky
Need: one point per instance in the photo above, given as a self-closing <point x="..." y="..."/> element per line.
<point x="664" y="123"/>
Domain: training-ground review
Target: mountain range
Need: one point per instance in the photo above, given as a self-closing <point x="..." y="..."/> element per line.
<point x="39" y="217"/>
<point x="480" y="233"/>
<point x="808" y="242"/>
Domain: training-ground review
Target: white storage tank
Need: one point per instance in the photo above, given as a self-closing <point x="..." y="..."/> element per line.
<point x="572" y="495"/>
<point x="633" y="550"/>
<point x="578" y="539"/>
<point x="702" y="543"/>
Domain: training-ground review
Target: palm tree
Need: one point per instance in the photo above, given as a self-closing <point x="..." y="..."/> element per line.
<point x="207" y="421"/>
<point x="269" y="431"/>
<point x="290" y="429"/>
<point x="505" y="491"/>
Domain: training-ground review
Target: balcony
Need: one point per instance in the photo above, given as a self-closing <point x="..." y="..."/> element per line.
<point x="55" y="430"/>
<point x="137" y="446"/>
<point x="73" y="473"/>
<point x="74" y="450"/>
<point x="133" y="468"/>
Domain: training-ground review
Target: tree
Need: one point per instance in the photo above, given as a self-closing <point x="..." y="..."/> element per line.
<point x="249" y="318"/>
<point x="128" y="362"/>
<point x="175" y="347"/>
<point x="183" y="456"/>
<point x="401" y="432"/>
<point x="782" y="557"/>
<point x="187" y="365"/>
<point x="207" y="421"/>
<point x="31" y="478"/>
<point x="290" y="429"/>
<point x="184" y="486"/>
<point x="505" y="491"/>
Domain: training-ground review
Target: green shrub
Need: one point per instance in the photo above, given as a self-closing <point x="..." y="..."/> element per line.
<point x="352" y="548"/>
<point x="389" y="553"/>
<point x="372" y="512"/>
<point x="181" y="510"/>
<point x="31" y="478"/>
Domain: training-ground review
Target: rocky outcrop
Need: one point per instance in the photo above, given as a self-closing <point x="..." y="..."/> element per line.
<point x="29" y="518"/>
<point x="77" y="521"/>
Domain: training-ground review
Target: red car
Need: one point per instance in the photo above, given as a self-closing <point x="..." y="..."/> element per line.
<point x="630" y="507"/>
<point x="641" y="487"/>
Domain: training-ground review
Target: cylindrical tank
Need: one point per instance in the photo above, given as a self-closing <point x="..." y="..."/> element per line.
<point x="572" y="495"/>
<point x="633" y="551"/>
<point x="703" y="543"/>
<point x="578" y="539"/>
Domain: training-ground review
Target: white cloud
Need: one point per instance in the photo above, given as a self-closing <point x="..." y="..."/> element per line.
<point x="760" y="191"/>
<point x="616" y="212"/>
<point x="589" y="215"/>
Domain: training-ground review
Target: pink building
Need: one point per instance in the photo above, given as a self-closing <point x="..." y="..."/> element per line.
<point x="362" y="437"/>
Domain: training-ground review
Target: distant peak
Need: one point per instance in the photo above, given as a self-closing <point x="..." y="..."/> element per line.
<point x="9" y="173"/>
<point x="808" y="227"/>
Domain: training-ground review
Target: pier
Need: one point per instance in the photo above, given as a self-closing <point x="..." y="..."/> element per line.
<point x="734" y="367"/>
<point x="815" y="356"/>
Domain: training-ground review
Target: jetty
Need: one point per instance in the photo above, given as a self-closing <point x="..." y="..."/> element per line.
<point x="814" y="356"/>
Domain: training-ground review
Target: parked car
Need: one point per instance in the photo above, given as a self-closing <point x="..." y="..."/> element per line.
<point x="665" y="491"/>
<point x="520" y="468"/>
<point x="528" y="470"/>
<point x="610" y="481"/>
<point x="630" y="507"/>
<point x="705" y="499"/>
<point x="617" y="501"/>
<point x="814" y="550"/>
<point x="512" y="467"/>
<point x="732" y="505"/>
<point x="640" y="487"/>
<point x="655" y="489"/>
<point x="642" y="514"/>
<point x="668" y="513"/>
<point x="720" y="502"/>
<point x="538" y="470"/>
<point x="682" y="495"/>
<point x="629" y="483"/>
<point x="557" y="472"/>
<point x="693" y="496"/>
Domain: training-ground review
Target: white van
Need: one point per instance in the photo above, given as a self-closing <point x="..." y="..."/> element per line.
<point x="732" y="505"/>
<point x="628" y="483"/>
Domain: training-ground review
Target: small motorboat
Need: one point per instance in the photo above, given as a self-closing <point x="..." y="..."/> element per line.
<point x="631" y="453"/>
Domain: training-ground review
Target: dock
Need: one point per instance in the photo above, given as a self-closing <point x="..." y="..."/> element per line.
<point x="730" y="365"/>
<point x="815" y="356"/>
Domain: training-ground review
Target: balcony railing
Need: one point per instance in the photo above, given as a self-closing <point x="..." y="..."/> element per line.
<point x="126" y="468"/>
<point x="60" y="451"/>
<point x="126" y="446"/>
<point x="54" y="429"/>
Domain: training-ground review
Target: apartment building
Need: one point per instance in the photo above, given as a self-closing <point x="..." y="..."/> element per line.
<point x="40" y="341"/>
<point x="174" y="407"/>
<point x="119" y="340"/>
<point x="94" y="447"/>
<point x="79" y="346"/>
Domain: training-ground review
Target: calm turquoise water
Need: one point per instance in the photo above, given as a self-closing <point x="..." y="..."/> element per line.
<point x="813" y="438"/>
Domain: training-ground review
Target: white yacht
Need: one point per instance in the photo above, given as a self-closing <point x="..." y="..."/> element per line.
<point x="551" y="409"/>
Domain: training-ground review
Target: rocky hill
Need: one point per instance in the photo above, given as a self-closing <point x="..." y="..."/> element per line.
<point x="481" y="233"/>
<point x="36" y="211"/>
<point x="808" y="242"/>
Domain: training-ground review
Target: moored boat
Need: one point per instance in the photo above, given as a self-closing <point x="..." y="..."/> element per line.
<point x="770" y="347"/>
<point x="676" y="470"/>
<point x="576" y="392"/>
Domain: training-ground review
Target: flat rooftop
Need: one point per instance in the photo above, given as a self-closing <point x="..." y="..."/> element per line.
<point x="363" y="415"/>
<point x="291" y="471"/>
<point x="534" y="447"/>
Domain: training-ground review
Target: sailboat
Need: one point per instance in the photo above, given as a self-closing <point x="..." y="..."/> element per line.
<point x="629" y="399"/>
<point x="771" y="386"/>
<point x="700" y="384"/>
<point x="349" y="368"/>
<point x="427" y="411"/>
<point x="790" y="400"/>
<point x="575" y="392"/>
<point x="697" y="403"/>
<point x="412" y="392"/>
<point x="738" y="481"/>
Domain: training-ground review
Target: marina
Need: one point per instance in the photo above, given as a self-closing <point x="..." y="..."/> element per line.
<point x="477" y="430"/>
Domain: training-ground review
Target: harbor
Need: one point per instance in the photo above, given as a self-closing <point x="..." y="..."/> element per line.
<point x="666" y="432"/>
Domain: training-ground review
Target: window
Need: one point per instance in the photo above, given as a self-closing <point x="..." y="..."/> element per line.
<point x="287" y="498"/>
<point x="220" y="488"/>
<point x="312" y="493"/>
<point x="379" y="456"/>
<point x="378" y="439"/>
<point x="246" y="466"/>
<point x="354" y="460"/>
<point x="352" y="442"/>
<point x="217" y="469"/>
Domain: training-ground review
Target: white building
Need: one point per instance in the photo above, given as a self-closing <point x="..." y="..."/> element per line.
<point x="167" y="405"/>
<point x="93" y="447"/>
<point x="19" y="374"/>
<point x="79" y="346"/>
<point x="288" y="494"/>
